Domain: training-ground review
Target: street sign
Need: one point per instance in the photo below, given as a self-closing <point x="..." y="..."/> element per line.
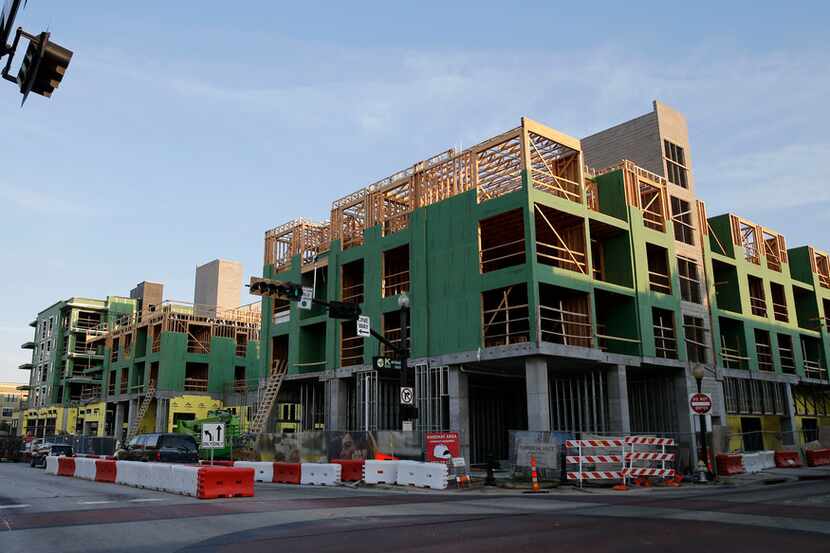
<point x="364" y="326"/>
<point x="305" y="301"/>
<point x="384" y="363"/>
<point x="701" y="404"/>
<point x="407" y="395"/>
<point x="213" y="435"/>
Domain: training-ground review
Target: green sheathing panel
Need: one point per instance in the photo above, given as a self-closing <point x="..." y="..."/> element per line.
<point x="800" y="296"/>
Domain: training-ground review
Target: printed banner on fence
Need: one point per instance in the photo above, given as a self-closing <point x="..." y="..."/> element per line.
<point x="441" y="446"/>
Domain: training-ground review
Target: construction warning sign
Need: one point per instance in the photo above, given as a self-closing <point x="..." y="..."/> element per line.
<point x="441" y="446"/>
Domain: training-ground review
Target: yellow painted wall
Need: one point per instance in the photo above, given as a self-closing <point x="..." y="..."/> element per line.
<point x="771" y="425"/>
<point x="734" y="424"/>
<point x="198" y="405"/>
<point x="93" y="412"/>
<point x="242" y="412"/>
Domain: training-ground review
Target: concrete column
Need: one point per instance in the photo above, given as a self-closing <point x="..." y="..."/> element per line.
<point x="118" y="421"/>
<point x="162" y="412"/>
<point x="538" y="394"/>
<point x="459" y="391"/>
<point x="788" y="420"/>
<point x="337" y="404"/>
<point x="617" y="385"/>
<point x="132" y="413"/>
<point x="684" y="385"/>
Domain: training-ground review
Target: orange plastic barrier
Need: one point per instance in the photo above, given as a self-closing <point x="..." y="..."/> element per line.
<point x="287" y="473"/>
<point x="729" y="464"/>
<point x="818" y="457"/>
<point x="217" y="463"/>
<point x="216" y="482"/>
<point x="66" y="466"/>
<point x="787" y="459"/>
<point x="105" y="470"/>
<point x="352" y="470"/>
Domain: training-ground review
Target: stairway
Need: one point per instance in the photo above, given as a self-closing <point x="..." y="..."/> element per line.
<point x="272" y="389"/>
<point x="142" y="410"/>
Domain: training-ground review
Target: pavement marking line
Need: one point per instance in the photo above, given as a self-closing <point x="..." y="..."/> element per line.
<point x="145" y="500"/>
<point x="15" y="506"/>
<point x="94" y="502"/>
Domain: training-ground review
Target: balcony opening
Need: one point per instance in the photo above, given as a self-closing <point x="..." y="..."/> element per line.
<point x="395" y="271"/>
<point x="392" y="331"/>
<point x="757" y="298"/>
<point x="822" y="269"/>
<point x="696" y="342"/>
<point x="240" y="385"/>
<point x="395" y="205"/>
<point x="811" y="349"/>
<point x="665" y="337"/>
<point x="126" y="345"/>
<point x="826" y="305"/>
<point x="652" y="202"/>
<point x="111" y="381"/>
<point x="241" y="344"/>
<point x="88" y="320"/>
<point x="786" y="353"/>
<point x="659" y="275"/>
<point x="615" y="331"/>
<point x="154" y="372"/>
<point x="501" y="241"/>
<point x="280" y="311"/>
<point x="198" y="338"/>
<point x="351" y="345"/>
<point x="727" y="289"/>
<point x="279" y="350"/>
<point x="763" y="349"/>
<point x="806" y="308"/>
<point x="746" y="236"/>
<point x="681" y="215"/>
<point x="774" y="250"/>
<point x="565" y="316"/>
<point x="196" y="377"/>
<point x="124" y="381"/>
<point x="610" y="254"/>
<point x="155" y="331"/>
<point x="779" y="302"/>
<point x="505" y="316"/>
<point x="137" y="385"/>
<point x="733" y="344"/>
<point x="554" y="168"/>
<point x="312" y="354"/>
<point x="689" y="280"/>
<point x="317" y="280"/>
<point x="560" y="239"/>
<point x="352" y="282"/>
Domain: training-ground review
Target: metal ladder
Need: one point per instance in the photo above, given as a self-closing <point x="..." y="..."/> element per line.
<point x="272" y="389"/>
<point x="142" y="410"/>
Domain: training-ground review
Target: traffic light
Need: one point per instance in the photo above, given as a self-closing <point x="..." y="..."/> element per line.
<point x="268" y="288"/>
<point x="43" y="66"/>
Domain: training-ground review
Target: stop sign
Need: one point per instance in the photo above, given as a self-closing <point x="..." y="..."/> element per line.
<point x="701" y="404"/>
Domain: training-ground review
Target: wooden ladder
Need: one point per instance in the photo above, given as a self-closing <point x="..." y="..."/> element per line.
<point x="272" y="390"/>
<point x="142" y="410"/>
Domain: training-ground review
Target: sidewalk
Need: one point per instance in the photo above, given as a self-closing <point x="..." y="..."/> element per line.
<point x="775" y="475"/>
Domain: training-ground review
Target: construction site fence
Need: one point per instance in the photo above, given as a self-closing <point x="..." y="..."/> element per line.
<point x="761" y="440"/>
<point x="93" y="445"/>
<point x="320" y="446"/>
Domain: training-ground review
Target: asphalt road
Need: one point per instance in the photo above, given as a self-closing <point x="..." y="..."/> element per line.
<point x="40" y="513"/>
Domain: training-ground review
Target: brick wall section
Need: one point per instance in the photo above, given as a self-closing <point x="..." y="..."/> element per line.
<point x="637" y="140"/>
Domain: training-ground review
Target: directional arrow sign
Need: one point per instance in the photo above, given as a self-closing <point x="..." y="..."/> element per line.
<point x="364" y="326"/>
<point x="213" y="435"/>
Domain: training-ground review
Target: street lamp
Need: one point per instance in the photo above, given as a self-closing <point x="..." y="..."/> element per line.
<point x="699" y="372"/>
<point x="407" y="412"/>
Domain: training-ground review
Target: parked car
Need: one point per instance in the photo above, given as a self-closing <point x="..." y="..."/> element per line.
<point x="165" y="448"/>
<point x="41" y="451"/>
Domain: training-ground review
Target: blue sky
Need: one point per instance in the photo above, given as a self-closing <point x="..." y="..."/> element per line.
<point x="183" y="131"/>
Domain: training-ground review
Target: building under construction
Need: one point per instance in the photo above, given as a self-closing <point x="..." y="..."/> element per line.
<point x="556" y="284"/>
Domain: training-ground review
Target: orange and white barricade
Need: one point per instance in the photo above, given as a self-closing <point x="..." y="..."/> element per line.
<point x="606" y="451"/>
<point x="652" y="462"/>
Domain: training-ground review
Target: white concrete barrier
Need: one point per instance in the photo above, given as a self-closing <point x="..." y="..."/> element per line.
<point x="184" y="479"/>
<point x="159" y="476"/>
<point x="52" y="464"/>
<point x="410" y="473"/>
<point x="434" y="475"/>
<point x="85" y="468"/>
<point x="758" y="461"/>
<point x="380" y="472"/>
<point x="320" y="474"/>
<point x="129" y="472"/>
<point x="263" y="471"/>
<point x="767" y="459"/>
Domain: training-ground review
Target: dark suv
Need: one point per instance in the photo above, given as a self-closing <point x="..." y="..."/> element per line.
<point x="166" y="448"/>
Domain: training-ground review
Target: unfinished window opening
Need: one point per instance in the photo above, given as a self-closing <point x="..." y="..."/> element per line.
<point x="87" y="320"/>
<point x="137" y="385"/>
<point x="652" y="203"/>
<point x="826" y="305"/>
<point x="746" y="235"/>
<point x="727" y="287"/>
<point x="312" y="354"/>
<point x="239" y="383"/>
<point x="351" y="345"/>
<point x="352" y="282"/>
<point x="695" y="332"/>
<point x="505" y="316"/>
<point x="733" y="344"/>
<point x="774" y="250"/>
<point x="579" y="402"/>
<point x="779" y="302"/>
<point x="757" y="298"/>
<point x="591" y="194"/>
<point x="392" y="331"/>
<point x="500" y="168"/>
<point x="154" y="372"/>
<point x="610" y="253"/>
<point x="241" y="344"/>
<point x="614" y="331"/>
<point x="280" y="311"/>
<point x="501" y="241"/>
<point x="279" y="350"/>
<point x="198" y="338"/>
<point x="659" y="275"/>
<point x="689" y="280"/>
<point x="676" y="170"/>
<point x="665" y="337"/>
<point x="822" y="268"/>
<point x="124" y="381"/>
<point x="681" y="214"/>
<point x="196" y="377"/>
<point x="111" y="381"/>
<point x="126" y="345"/>
<point x="786" y="353"/>
<point x="813" y="358"/>
<point x="806" y="308"/>
<point x="560" y="239"/>
<point x="395" y="271"/>
<point x="763" y="349"/>
<point x="554" y="168"/>
<point x="317" y="280"/>
<point x="565" y="316"/>
<point x="114" y="349"/>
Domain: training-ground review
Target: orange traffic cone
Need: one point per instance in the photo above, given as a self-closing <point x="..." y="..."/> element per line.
<point x="534" y="477"/>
